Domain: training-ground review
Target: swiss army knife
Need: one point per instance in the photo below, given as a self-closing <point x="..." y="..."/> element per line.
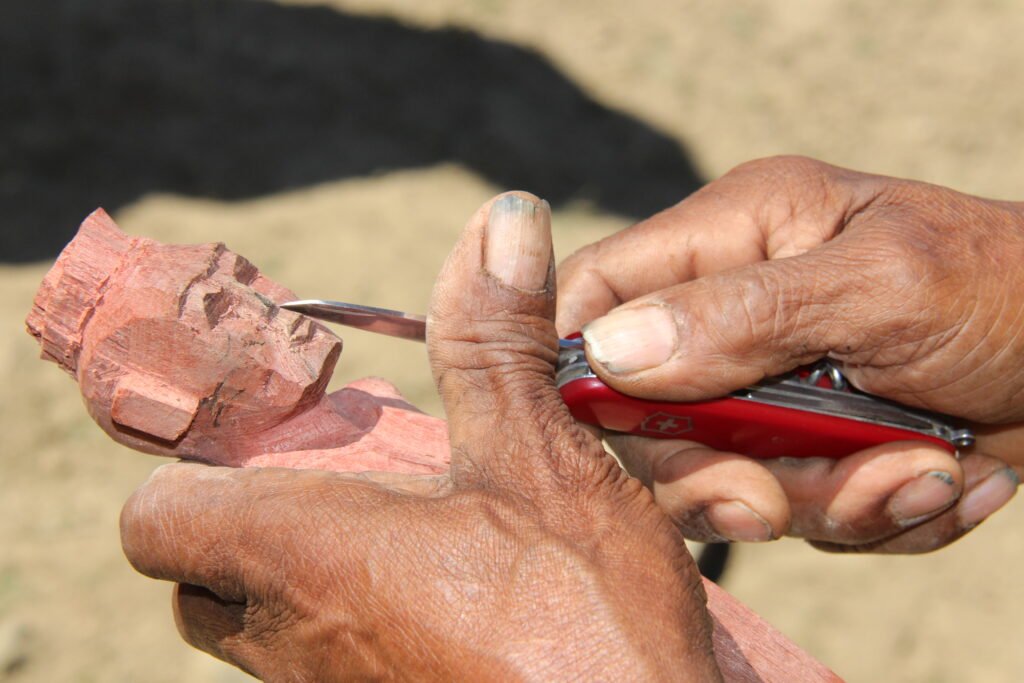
<point x="812" y="412"/>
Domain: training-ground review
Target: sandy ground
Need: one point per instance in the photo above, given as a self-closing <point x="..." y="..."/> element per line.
<point x="920" y="89"/>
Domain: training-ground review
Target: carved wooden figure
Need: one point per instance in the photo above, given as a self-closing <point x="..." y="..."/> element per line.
<point x="182" y="351"/>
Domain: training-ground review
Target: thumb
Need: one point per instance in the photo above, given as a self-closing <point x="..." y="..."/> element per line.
<point x="719" y="333"/>
<point x="493" y="350"/>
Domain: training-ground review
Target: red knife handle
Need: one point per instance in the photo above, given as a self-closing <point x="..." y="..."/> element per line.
<point x="731" y="424"/>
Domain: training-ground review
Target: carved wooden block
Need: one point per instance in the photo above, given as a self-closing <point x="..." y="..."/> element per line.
<point x="182" y="351"/>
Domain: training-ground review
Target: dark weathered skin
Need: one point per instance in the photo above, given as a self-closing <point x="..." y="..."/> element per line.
<point x="535" y="558"/>
<point x="913" y="289"/>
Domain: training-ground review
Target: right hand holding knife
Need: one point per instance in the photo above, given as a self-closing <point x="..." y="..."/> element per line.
<point x="913" y="290"/>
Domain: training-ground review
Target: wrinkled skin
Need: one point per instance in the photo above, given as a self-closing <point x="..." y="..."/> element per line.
<point x="536" y="558"/>
<point x="913" y="290"/>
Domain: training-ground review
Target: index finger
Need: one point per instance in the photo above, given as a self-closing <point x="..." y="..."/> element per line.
<point x="213" y="526"/>
<point x="764" y="209"/>
<point x="704" y="234"/>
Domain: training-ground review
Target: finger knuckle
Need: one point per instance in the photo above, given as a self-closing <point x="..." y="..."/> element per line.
<point x="781" y="169"/>
<point x="579" y="260"/>
<point x="143" y="527"/>
<point x="267" y="622"/>
<point x="913" y="236"/>
<point x="487" y="353"/>
<point x="131" y="522"/>
<point x="748" y="310"/>
<point x="903" y="275"/>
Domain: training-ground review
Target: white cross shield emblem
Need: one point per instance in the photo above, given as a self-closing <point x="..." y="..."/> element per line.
<point x="664" y="424"/>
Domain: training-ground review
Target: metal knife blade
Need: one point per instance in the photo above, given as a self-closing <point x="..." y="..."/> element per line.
<point x="379" y="320"/>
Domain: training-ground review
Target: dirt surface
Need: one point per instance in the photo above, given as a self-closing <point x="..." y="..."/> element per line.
<point x="358" y="190"/>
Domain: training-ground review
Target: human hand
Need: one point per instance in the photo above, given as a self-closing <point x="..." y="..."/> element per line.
<point x="537" y="558"/>
<point x="912" y="290"/>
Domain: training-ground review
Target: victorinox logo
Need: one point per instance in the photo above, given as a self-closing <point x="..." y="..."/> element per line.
<point x="665" y="424"/>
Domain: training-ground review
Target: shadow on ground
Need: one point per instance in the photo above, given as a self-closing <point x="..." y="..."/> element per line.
<point x="105" y="100"/>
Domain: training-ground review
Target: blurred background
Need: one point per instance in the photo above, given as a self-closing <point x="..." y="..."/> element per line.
<point x="341" y="144"/>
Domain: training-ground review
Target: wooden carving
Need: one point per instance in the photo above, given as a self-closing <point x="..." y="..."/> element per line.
<point x="182" y="351"/>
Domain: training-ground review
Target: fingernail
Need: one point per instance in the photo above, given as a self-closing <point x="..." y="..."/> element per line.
<point x="632" y="339"/>
<point x="518" y="242"/>
<point x="922" y="498"/>
<point x="737" y="522"/>
<point x="987" y="497"/>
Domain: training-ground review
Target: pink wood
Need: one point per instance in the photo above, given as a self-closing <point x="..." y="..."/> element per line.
<point x="181" y="351"/>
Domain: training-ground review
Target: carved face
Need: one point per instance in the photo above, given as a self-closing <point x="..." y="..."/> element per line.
<point x="182" y="345"/>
